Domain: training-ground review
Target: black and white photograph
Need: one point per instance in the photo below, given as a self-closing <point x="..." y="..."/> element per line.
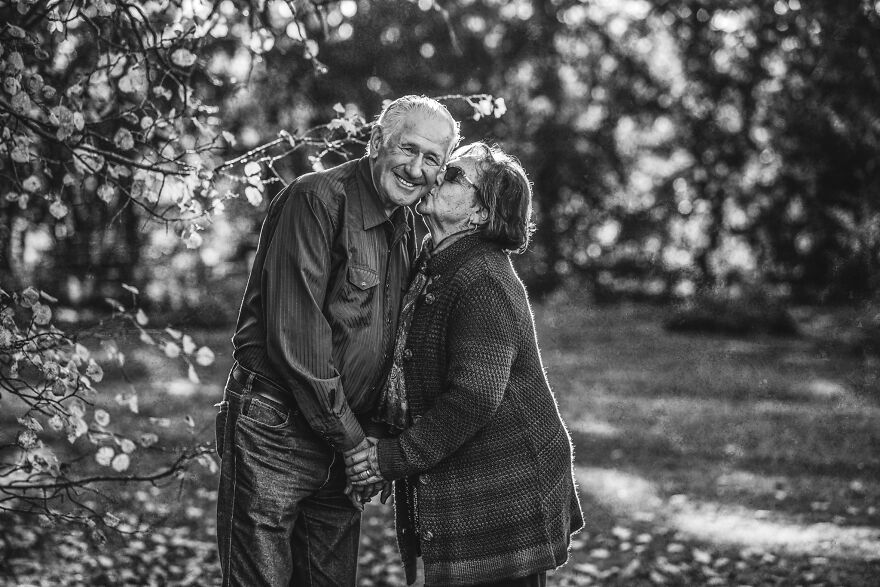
<point x="434" y="293"/>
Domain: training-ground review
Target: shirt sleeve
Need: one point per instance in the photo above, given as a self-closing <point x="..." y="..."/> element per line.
<point x="482" y="346"/>
<point x="299" y="340"/>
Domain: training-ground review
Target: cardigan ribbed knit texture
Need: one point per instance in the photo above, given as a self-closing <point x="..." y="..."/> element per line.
<point x="488" y="461"/>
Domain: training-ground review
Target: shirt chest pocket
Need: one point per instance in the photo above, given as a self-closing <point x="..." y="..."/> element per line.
<point x="362" y="278"/>
<point x="358" y="299"/>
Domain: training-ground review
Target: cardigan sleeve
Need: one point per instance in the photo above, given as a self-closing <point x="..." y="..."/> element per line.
<point x="482" y="344"/>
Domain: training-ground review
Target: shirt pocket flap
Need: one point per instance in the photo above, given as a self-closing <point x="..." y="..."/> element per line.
<point x="362" y="277"/>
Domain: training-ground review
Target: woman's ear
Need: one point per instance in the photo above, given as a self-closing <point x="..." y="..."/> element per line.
<point x="479" y="217"/>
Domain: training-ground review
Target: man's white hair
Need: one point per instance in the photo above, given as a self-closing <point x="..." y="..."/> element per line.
<point x="392" y="116"/>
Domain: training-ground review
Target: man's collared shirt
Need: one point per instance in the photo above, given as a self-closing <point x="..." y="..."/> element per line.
<point x="320" y="308"/>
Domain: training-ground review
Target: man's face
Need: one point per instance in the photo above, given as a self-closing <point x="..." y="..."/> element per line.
<point x="405" y="167"/>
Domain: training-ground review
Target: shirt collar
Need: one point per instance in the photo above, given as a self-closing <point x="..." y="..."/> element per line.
<point x="402" y="219"/>
<point x="372" y="210"/>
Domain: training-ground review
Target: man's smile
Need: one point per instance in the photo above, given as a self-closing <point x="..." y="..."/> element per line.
<point x="405" y="182"/>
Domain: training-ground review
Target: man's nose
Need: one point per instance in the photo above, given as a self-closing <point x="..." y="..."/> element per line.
<point x="414" y="167"/>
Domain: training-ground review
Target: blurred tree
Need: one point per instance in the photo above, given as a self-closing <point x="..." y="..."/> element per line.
<point x="771" y="108"/>
<point x="822" y="218"/>
<point x="110" y="121"/>
<point x="773" y="117"/>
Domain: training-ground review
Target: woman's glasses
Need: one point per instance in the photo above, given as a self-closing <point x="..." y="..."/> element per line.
<point x="457" y="175"/>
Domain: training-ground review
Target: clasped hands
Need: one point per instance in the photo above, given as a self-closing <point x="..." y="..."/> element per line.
<point x="364" y="480"/>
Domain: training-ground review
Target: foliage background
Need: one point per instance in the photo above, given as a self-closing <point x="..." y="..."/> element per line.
<point x="675" y="146"/>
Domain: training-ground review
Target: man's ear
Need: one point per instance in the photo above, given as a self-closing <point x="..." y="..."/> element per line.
<point x="375" y="141"/>
<point x="440" y="175"/>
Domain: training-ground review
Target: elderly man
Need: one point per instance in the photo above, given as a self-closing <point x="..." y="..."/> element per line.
<point x="314" y="337"/>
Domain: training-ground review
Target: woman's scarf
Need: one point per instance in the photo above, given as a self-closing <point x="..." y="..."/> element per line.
<point x="393" y="406"/>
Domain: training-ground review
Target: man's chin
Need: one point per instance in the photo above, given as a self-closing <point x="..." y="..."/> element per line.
<point x="412" y="198"/>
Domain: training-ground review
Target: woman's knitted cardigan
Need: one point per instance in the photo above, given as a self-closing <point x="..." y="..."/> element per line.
<point x="489" y="491"/>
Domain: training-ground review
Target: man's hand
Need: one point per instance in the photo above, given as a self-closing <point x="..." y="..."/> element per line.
<point x="355" y="454"/>
<point x="362" y="465"/>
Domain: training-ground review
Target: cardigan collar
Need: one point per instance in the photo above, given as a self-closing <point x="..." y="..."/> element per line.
<point x="452" y="256"/>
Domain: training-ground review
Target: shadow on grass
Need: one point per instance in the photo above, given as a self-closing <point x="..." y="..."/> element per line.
<point x="701" y="460"/>
<point x="758" y="446"/>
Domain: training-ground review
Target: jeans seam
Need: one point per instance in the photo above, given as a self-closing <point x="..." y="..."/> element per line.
<point x="231" y="512"/>
<point x="305" y="518"/>
<point x="234" y="462"/>
<point x="329" y="471"/>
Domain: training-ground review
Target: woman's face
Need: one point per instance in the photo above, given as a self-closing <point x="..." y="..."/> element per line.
<point x="452" y="206"/>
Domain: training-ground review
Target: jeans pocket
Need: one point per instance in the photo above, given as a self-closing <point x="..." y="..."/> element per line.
<point x="220" y="426"/>
<point x="265" y="414"/>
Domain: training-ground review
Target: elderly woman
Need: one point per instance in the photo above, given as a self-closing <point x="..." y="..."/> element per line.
<point x="485" y="491"/>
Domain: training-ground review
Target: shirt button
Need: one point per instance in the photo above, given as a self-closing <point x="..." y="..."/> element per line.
<point x="423" y="479"/>
<point x="407" y="354"/>
<point x="428" y="535"/>
<point x="417" y="419"/>
<point x="429" y="298"/>
<point x="363" y="284"/>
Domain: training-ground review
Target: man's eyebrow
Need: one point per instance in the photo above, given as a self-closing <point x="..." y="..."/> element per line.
<point x="435" y="151"/>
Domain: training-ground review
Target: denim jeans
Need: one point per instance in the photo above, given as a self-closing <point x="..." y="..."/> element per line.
<point x="282" y="516"/>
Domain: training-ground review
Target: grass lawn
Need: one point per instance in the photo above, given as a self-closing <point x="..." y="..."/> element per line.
<point x="701" y="460"/>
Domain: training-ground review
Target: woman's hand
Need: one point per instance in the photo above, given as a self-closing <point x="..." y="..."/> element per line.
<point x="362" y="494"/>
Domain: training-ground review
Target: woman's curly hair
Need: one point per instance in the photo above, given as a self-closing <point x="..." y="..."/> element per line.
<point x="504" y="189"/>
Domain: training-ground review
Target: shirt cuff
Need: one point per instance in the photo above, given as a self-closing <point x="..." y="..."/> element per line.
<point x="392" y="462"/>
<point x="333" y="420"/>
<point x="351" y="433"/>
